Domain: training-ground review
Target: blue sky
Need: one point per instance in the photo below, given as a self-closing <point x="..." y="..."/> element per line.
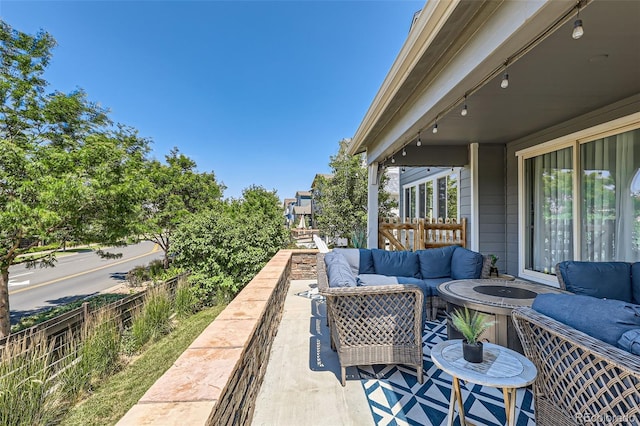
<point x="257" y="92"/>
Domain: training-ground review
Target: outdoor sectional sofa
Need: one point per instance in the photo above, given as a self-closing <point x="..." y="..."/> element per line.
<point x="376" y="300"/>
<point x="586" y="346"/>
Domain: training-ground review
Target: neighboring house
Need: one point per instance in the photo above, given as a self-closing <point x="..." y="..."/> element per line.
<point x="542" y="125"/>
<point x="302" y="208"/>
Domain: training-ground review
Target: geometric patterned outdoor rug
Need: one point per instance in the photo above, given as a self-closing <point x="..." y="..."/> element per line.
<point x="396" y="397"/>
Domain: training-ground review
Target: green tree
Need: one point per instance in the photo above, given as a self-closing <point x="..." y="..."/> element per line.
<point x="177" y="190"/>
<point x="342" y="199"/>
<point x="226" y="246"/>
<point x="65" y="172"/>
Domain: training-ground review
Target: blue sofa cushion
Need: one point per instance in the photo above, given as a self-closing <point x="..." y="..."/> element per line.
<point x="610" y="280"/>
<point x="635" y="283"/>
<point x="466" y="264"/>
<point x="338" y="270"/>
<point x="396" y="263"/>
<point x="603" y="319"/>
<point x="360" y="260"/>
<point x="435" y="262"/>
<point x="630" y="341"/>
<point x="376" y="279"/>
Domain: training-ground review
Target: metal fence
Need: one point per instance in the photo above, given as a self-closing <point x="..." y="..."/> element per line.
<point x="54" y="330"/>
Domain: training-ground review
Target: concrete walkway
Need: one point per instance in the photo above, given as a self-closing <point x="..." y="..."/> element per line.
<point x="302" y="381"/>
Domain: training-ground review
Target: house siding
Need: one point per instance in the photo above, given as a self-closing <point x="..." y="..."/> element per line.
<point x="617" y="110"/>
<point x="491" y="202"/>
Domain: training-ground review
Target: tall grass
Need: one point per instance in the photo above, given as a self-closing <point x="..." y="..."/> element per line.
<point x="152" y="321"/>
<point x="186" y="303"/>
<point x="28" y="393"/>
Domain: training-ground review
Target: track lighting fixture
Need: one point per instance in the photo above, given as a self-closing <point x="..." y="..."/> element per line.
<point x="464" y="111"/>
<point x="435" y="127"/>
<point x="393" y="160"/>
<point x="404" y="152"/>
<point x="419" y="142"/>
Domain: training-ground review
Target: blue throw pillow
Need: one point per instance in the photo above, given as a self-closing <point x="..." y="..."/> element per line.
<point x="610" y="280"/>
<point x="630" y="341"/>
<point x="360" y="260"/>
<point x="466" y="264"/>
<point x="338" y="270"/>
<point x="635" y="283"/>
<point x="396" y="263"/>
<point x="435" y="262"/>
<point x="603" y="319"/>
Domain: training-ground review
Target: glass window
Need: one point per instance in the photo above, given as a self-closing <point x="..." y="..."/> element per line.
<point x="429" y="200"/>
<point x="442" y="197"/>
<point x="549" y="210"/>
<point x="421" y="200"/>
<point x="412" y="204"/>
<point x="610" y="213"/>
<point x="452" y="196"/>
<point x="407" y="202"/>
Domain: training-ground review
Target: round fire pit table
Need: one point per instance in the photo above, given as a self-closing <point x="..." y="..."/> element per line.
<point x="496" y="299"/>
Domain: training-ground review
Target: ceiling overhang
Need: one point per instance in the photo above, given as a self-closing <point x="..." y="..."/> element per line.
<point x="555" y="79"/>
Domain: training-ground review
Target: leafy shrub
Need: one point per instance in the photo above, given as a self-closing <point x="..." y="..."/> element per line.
<point x="137" y="276"/>
<point x="156" y="269"/>
<point x="214" y="290"/>
<point x="225" y="247"/>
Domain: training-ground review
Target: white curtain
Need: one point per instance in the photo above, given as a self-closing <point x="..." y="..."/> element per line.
<point x="550" y="210"/>
<point x="610" y="207"/>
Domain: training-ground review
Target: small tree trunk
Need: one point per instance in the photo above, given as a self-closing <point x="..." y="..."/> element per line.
<point x="5" y="318"/>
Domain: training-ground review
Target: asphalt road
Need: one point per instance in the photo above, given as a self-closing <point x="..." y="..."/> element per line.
<point x="75" y="276"/>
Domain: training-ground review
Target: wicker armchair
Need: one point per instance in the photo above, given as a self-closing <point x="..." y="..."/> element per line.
<point x="374" y="325"/>
<point x="581" y="380"/>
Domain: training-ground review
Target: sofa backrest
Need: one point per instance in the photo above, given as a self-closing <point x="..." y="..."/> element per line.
<point x="451" y="261"/>
<point x="605" y="280"/>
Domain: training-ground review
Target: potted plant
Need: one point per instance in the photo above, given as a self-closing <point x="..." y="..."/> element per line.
<point x="471" y="326"/>
<point x="493" y="269"/>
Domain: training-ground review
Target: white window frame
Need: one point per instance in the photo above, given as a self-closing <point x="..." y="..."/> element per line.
<point x="434" y="196"/>
<point x="574" y="140"/>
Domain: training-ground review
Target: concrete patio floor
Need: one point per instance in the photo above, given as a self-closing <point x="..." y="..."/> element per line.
<point x="302" y="381"/>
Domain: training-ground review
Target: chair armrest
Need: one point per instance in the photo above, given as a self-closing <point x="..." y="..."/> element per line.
<point x="577" y="373"/>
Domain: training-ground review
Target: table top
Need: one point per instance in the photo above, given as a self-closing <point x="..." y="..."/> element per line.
<point x="491" y="295"/>
<point x="501" y="367"/>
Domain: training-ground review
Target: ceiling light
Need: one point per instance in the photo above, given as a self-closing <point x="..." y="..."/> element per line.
<point x="505" y="81"/>
<point x="419" y="140"/>
<point x="464" y="111"/>
<point x="393" y="160"/>
<point x="435" y="128"/>
<point x="404" y="153"/>
<point x="578" y="31"/>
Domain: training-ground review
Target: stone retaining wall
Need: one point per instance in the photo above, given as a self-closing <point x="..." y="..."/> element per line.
<point x="216" y="380"/>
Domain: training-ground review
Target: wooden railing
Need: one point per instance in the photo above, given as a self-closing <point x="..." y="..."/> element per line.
<point x="394" y="234"/>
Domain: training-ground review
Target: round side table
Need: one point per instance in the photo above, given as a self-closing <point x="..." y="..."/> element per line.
<point x="501" y="368"/>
